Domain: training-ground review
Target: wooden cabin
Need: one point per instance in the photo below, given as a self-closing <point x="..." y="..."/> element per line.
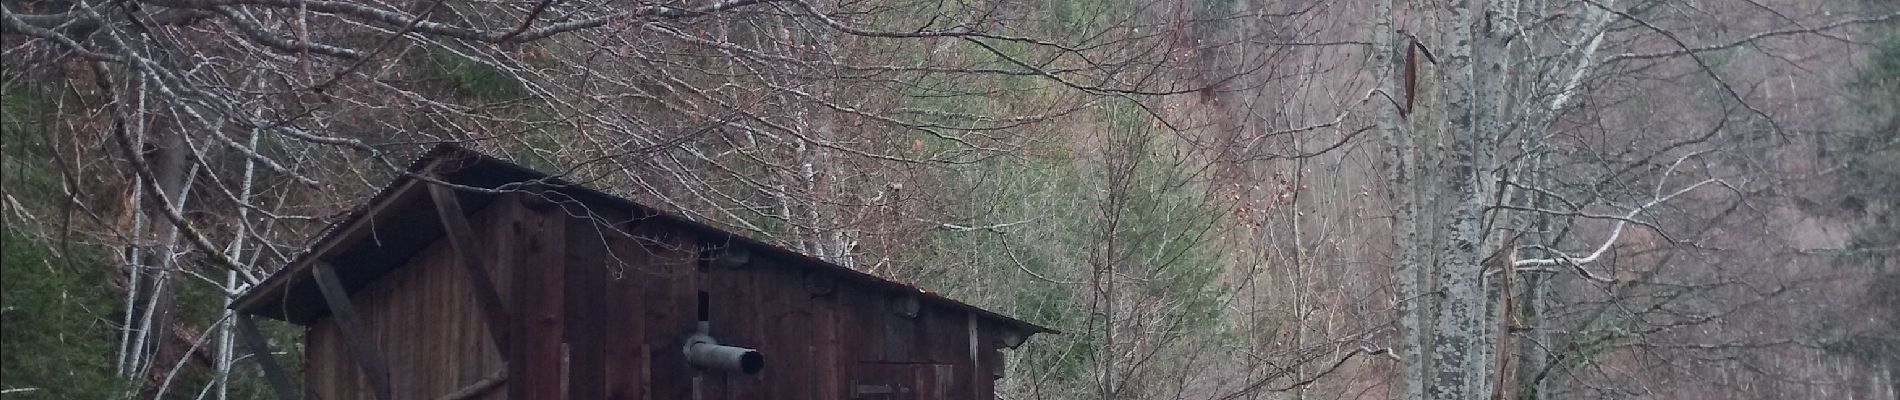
<point x="471" y="277"/>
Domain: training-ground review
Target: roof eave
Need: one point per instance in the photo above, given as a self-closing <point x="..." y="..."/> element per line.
<point x="406" y="189"/>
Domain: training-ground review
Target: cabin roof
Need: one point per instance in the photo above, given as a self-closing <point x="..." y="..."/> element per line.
<point x="381" y="234"/>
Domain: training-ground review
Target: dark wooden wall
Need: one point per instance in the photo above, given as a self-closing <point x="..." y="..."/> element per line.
<point x="424" y="321"/>
<point x="600" y="310"/>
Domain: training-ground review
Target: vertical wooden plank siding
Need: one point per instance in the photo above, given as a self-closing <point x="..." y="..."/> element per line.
<point x="737" y="311"/>
<point x="948" y="348"/>
<point x="535" y="364"/>
<point x="669" y="282"/>
<point x="424" y="319"/>
<point x="628" y="281"/>
<point x="492" y="223"/>
<point x="600" y="311"/>
<point x="363" y="351"/>
<point x="586" y="285"/>
<point x="461" y="239"/>
<point x="828" y="359"/>
<point x="989" y="358"/>
<point x="861" y="323"/>
<point x="788" y="337"/>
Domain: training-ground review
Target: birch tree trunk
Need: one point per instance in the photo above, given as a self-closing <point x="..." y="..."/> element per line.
<point x="1529" y="354"/>
<point x="1460" y="368"/>
<point x="174" y="175"/>
<point x="226" y="340"/>
<point x="1576" y="61"/>
<point x="1401" y="175"/>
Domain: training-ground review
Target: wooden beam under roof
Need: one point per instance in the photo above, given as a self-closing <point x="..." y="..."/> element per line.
<point x="354" y="335"/>
<point x="274" y="375"/>
<point x="462" y="242"/>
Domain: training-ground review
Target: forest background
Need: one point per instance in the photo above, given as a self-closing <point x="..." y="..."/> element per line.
<point x="1213" y="199"/>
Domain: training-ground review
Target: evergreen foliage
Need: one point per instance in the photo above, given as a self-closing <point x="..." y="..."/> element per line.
<point x="58" y="341"/>
<point x="57" y="337"/>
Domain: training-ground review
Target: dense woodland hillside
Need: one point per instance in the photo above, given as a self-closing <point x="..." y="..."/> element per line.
<point x="1211" y="199"/>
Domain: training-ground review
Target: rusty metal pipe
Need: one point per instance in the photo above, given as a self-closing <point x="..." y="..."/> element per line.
<point x="705" y="353"/>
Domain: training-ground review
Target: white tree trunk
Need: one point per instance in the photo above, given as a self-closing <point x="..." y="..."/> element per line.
<point x="232" y="284"/>
<point x="1401" y="176"/>
<point x="1460" y="367"/>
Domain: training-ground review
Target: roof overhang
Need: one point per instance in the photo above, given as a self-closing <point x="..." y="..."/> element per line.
<point x="400" y="220"/>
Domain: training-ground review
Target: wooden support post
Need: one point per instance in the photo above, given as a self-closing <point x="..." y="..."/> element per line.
<point x="273" y="374"/>
<point x="585" y="288"/>
<point x="361" y="348"/>
<point x="462" y="241"/>
<point x="535" y="247"/>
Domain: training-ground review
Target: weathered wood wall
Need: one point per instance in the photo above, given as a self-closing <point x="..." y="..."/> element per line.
<point x="600" y="311"/>
<point x="424" y="321"/>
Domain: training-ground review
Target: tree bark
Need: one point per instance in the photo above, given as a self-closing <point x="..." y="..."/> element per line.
<point x="1460" y="369"/>
<point x="1401" y="177"/>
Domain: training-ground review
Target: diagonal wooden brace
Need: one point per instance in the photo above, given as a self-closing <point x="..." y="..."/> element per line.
<point x="462" y="241"/>
<point x="273" y="373"/>
<point x="361" y="348"/>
